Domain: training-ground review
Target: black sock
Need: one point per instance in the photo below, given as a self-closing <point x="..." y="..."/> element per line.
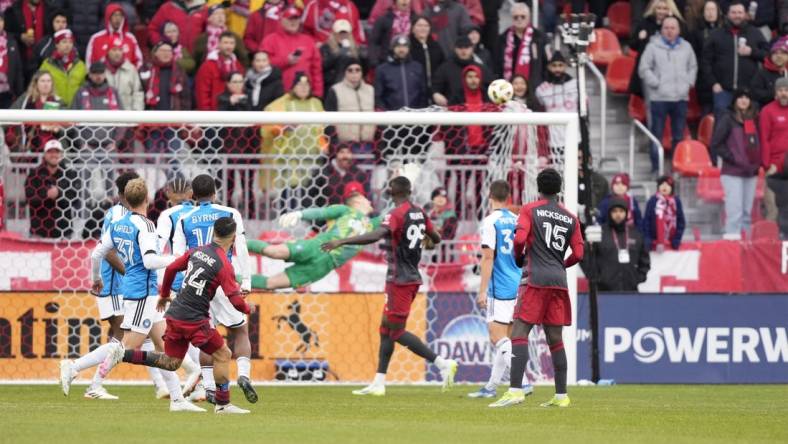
<point x="384" y="353"/>
<point x="418" y="347"/>
<point x="559" y="366"/>
<point x="519" y="361"/>
<point x="140" y="357"/>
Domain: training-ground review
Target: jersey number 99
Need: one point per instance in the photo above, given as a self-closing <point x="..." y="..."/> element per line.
<point x="415" y="234"/>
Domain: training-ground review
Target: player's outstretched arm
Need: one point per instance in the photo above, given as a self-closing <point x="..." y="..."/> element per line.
<point x="362" y="239"/>
<point x="170" y="272"/>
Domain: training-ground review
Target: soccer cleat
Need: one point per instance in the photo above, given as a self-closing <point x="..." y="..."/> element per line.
<point x="198" y="394"/>
<point x="555" y="402"/>
<point x="184" y="406"/>
<point x="162" y="393"/>
<point x="99" y="393"/>
<point x="114" y="356"/>
<point x="509" y="399"/>
<point x="246" y="385"/>
<point x="228" y="409"/>
<point x="371" y="390"/>
<point x="67" y="375"/>
<point x="447" y="374"/>
<point x="210" y="396"/>
<point x="191" y="381"/>
<point x="482" y="393"/>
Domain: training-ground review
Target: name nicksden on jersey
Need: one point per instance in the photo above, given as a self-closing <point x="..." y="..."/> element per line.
<point x="554" y="215"/>
<point x="205" y="258"/>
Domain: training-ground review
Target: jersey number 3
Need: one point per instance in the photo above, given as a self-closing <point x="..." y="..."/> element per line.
<point x="554" y="236"/>
<point x="193" y="280"/>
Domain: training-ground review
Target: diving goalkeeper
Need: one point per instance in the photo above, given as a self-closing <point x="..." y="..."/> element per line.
<point x="311" y="263"/>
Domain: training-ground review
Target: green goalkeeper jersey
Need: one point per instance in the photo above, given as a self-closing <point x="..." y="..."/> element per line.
<point x="342" y="222"/>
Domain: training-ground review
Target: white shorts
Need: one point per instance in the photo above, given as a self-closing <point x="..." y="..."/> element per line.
<point x="500" y="310"/>
<point x="109" y="306"/>
<point x="223" y="312"/>
<point x="140" y="315"/>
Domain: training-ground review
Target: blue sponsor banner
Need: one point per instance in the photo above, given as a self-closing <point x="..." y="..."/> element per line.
<point x="687" y="338"/>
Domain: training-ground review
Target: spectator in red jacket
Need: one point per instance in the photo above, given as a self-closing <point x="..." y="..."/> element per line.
<point x="212" y="75"/>
<point x="774" y="146"/>
<point x="189" y="15"/>
<point x="51" y="192"/>
<point x="165" y="83"/>
<point x="208" y="41"/>
<point x="320" y="15"/>
<point x="292" y="51"/>
<point x="263" y="22"/>
<point x="116" y="29"/>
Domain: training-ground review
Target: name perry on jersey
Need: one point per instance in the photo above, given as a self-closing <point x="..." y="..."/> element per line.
<point x="554" y="215"/>
<point x="123" y="229"/>
<point x="199" y="255"/>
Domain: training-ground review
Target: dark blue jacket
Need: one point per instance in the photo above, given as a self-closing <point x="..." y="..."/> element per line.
<point x="603" y="210"/>
<point x="649" y="226"/>
<point x="400" y="83"/>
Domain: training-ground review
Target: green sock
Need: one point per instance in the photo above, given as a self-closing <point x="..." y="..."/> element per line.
<point x="256" y="246"/>
<point x="259" y="281"/>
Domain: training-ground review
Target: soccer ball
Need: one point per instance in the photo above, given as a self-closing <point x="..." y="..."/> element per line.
<point x="500" y="91"/>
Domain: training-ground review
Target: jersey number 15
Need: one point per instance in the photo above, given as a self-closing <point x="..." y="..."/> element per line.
<point x="554" y="236"/>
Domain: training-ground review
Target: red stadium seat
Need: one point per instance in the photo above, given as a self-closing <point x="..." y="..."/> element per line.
<point x="692" y="159"/>
<point x="618" y="74"/>
<point x="705" y="129"/>
<point x="709" y="188"/>
<point x="765" y="229"/>
<point x="467" y="248"/>
<point x="637" y="108"/>
<point x="693" y="107"/>
<point x="605" y="48"/>
<point x="619" y="14"/>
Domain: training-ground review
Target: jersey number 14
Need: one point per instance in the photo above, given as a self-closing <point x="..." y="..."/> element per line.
<point x="193" y="280"/>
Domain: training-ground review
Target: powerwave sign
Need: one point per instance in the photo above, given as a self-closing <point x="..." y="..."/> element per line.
<point x="686" y="338"/>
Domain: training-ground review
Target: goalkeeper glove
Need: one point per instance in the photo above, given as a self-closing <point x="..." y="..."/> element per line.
<point x="289" y="220"/>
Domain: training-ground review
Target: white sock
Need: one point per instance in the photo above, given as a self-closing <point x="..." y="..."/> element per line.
<point x="194" y="354"/>
<point x="244" y="366"/>
<point x="441" y="363"/>
<point x="173" y="384"/>
<point x="380" y="379"/>
<point x="207" y="378"/>
<point x="501" y="359"/>
<point x="515" y="390"/>
<point x="154" y="373"/>
<point x="560" y="396"/>
<point x="92" y="359"/>
<point x="189" y="365"/>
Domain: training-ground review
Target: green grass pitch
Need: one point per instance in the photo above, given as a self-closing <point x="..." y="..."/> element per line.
<point x="408" y="414"/>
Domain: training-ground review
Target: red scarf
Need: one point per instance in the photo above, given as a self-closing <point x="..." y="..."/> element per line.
<point x="213" y="32"/>
<point x="113" y="101"/>
<point x="35" y="21"/>
<point x="401" y="23"/>
<point x="522" y="65"/>
<point x="113" y="66"/>
<point x="152" y="97"/>
<point x="666" y="213"/>
<point x="66" y="60"/>
<point x="474" y="102"/>
<point x="3" y="53"/>
<point x="227" y="65"/>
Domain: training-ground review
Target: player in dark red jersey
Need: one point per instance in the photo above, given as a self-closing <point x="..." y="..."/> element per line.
<point x="545" y="230"/>
<point x="404" y="229"/>
<point x="207" y="268"/>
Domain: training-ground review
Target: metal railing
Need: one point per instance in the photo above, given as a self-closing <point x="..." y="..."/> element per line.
<point x="603" y="107"/>
<point x="652" y="139"/>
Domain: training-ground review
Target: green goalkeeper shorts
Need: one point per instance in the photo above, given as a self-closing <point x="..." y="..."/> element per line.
<point x="310" y="263"/>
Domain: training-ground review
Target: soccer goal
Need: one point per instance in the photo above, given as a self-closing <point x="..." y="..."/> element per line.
<point x="266" y="165"/>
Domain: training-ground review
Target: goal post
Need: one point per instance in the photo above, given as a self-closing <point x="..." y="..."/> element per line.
<point x="268" y="163"/>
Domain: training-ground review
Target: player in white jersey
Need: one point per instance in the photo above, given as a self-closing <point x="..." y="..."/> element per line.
<point x="500" y="281"/>
<point x="195" y="229"/>
<point x="135" y="240"/>
<point x="110" y="305"/>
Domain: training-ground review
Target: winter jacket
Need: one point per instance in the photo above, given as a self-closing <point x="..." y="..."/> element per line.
<point x="782" y="16"/>
<point x="343" y="97"/>
<point x="335" y="61"/>
<point x="668" y="70"/>
<point x="51" y="218"/>
<point x="126" y="80"/>
<point x="260" y="24"/>
<point x="66" y="83"/>
<point x="15" y="26"/>
<point x="99" y="44"/>
<point x="329" y="184"/>
<point x="740" y="156"/>
<point x="15" y="71"/>
<point x="32" y="137"/>
<point x="611" y="274"/>
<point x="241" y="139"/>
<point x="449" y="20"/>
<point x="538" y="61"/>
<point x="721" y="62"/>
<point x="98" y="97"/>
<point x="599" y="189"/>
<point x="172" y="82"/>
<point x="697" y="38"/>
<point x="379" y="40"/>
<point x="201" y="43"/>
<point x="319" y="16"/>
<point x="448" y="79"/>
<point x="280" y="45"/>
<point x="444" y="220"/>
<point x="765" y="15"/>
<point x="634" y="217"/>
<point x="649" y="228"/>
<point x="238" y="12"/>
<point x="208" y="83"/>
<point x="774" y="135"/>
<point x="270" y="89"/>
<point x="41" y="51"/>
<point x="400" y="83"/>
<point x="190" y="22"/>
<point x="762" y="87"/>
<point x="556" y="95"/>
<point x="430" y="55"/>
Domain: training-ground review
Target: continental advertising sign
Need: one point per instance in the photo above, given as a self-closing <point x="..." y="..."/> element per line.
<point x="331" y="337"/>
